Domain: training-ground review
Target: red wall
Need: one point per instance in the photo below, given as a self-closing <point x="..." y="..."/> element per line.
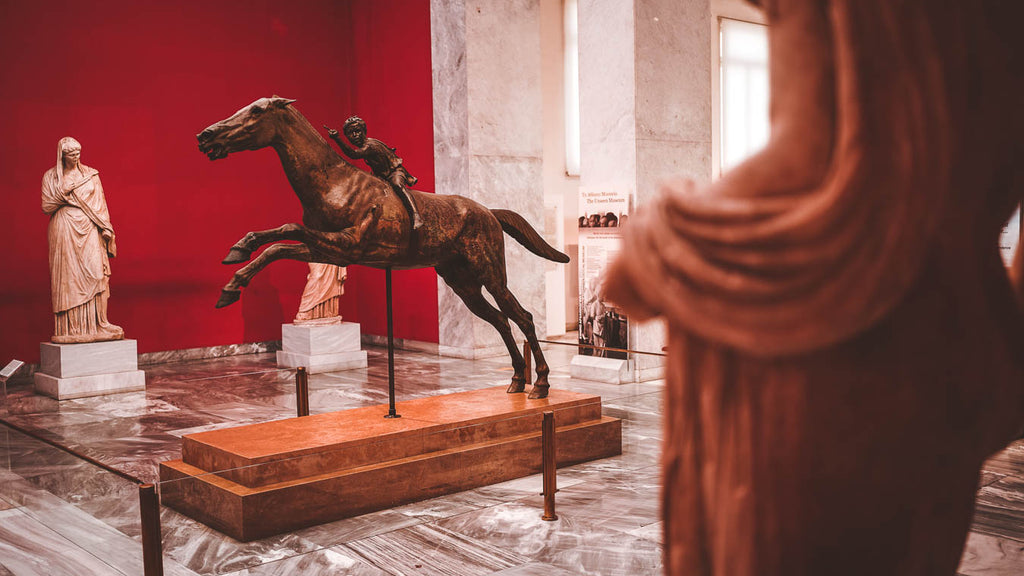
<point x="393" y="93"/>
<point x="134" y="82"/>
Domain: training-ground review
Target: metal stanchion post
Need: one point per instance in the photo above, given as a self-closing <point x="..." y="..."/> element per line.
<point x="392" y="413"/>
<point x="527" y="356"/>
<point x="549" y="464"/>
<point x="301" y="391"/>
<point x="152" y="547"/>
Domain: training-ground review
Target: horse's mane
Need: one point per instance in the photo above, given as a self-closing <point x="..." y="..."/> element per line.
<point x="334" y="154"/>
<point x="307" y="125"/>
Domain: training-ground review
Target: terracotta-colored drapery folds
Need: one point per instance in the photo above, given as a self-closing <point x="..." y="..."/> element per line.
<point x="81" y="241"/>
<point x="844" y="346"/>
<point x="323" y="290"/>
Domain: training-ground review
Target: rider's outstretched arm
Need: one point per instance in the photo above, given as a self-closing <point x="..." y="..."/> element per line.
<point x="355" y="153"/>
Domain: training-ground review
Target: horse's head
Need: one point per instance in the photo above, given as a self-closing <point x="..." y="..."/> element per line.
<point x="251" y="128"/>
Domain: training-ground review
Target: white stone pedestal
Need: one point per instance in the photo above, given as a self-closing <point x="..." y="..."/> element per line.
<point x="609" y="370"/>
<point x="92" y="369"/>
<point x="327" y="348"/>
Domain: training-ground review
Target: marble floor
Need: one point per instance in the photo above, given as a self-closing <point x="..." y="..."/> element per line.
<point x="61" y="515"/>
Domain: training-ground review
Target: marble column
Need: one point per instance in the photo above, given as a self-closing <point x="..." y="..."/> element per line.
<point x="645" y="107"/>
<point x="488" y="142"/>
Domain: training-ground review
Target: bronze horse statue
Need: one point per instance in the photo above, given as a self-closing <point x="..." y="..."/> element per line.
<point x="352" y="217"/>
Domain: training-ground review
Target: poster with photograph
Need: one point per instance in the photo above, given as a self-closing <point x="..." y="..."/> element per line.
<point x="603" y="209"/>
<point x="601" y="323"/>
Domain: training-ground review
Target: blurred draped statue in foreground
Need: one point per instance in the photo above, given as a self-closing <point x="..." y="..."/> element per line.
<point x="81" y="245"/>
<point x="844" y="345"/>
<point x="324" y="287"/>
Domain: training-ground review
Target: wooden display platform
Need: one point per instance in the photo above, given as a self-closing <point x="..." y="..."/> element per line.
<point x="258" y="480"/>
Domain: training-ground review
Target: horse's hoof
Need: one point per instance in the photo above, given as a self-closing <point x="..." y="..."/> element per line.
<point x="228" y="297"/>
<point x="516" y="386"/>
<point x="237" y="256"/>
<point x="538" y="392"/>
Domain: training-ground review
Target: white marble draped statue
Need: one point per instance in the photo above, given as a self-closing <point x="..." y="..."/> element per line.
<point x="81" y="241"/>
<point x="319" y="304"/>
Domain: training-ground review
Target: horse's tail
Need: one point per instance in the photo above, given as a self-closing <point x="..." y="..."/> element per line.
<point x="517" y="227"/>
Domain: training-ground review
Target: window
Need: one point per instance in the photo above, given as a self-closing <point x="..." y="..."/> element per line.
<point x="572" y="89"/>
<point x="744" y="90"/>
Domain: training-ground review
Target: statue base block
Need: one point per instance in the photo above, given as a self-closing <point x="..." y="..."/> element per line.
<point x="608" y="370"/>
<point x="321" y="348"/>
<point x="69" y="371"/>
<point x="322" y="362"/>
<point x="85" y="386"/>
<point x="258" y="480"/>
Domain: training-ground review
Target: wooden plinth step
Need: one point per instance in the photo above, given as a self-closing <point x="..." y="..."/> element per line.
<point x="258" y="480"/>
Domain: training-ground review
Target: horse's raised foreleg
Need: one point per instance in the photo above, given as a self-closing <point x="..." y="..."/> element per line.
<point x="233" y="290"/>
<point x="465" y="285"/>
<point x="521" y="316"/>
<point x="345" y="240"/>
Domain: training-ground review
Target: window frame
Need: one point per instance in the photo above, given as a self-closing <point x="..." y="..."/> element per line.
<point x="731" y="10"/>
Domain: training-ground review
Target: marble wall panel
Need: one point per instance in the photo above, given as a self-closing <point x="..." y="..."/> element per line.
<point x="503" y="62"/>
<point x="451" y="174"/>
<point x="659" y="160"/>
<point x="673" y="70"/>
<point x="607" y="93"/>
<point x="496" y="182"/>
<point x="487" y="142"/>
<point x="648" y="337"/>
<point x="645" y="107"/>
<point x="448" y="71"/>
<point x="515" y="184"/>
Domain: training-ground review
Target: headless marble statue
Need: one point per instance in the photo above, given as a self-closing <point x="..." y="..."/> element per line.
<point x="324" y="287"/>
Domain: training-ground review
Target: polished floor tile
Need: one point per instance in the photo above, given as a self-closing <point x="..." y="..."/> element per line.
<point x="57" y="508"/>
<point x="206" y="551"/>
<point x="431" y="550"/>
<point x="992" y="556"/>
<point x="358" y="528"/>
<point x="573" y="542"/>
<point x="320" y="563"/>
<point x="30" y="547"/>
<point x="57" y="518"/>
<point x="999" y="509"/>
<point x="535" y="569"/>
<point x="652" y="532"/>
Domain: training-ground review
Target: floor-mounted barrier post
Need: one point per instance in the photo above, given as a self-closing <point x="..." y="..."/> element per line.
<point x="152" y="547"/>
<point x="549" y="465"/>
<point x="392" y="413"/>
<point x="527" y="355"/>
<point x="301" y="391"/>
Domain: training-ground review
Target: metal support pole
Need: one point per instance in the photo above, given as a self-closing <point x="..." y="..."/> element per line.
<point x="152" y="547"/>
<point x="391" y="349"/>
<point x="549" y="464"/>
<point x="527" y="355"/>
<point x="301" y="391"/>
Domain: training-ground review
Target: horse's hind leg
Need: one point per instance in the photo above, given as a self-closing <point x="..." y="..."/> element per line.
<point x="464" y="283"/>
<point x="233" y="290"/>
<point x="513" y="309"/>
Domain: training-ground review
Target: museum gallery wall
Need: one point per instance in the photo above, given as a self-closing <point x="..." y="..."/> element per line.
<point x="134" y="82"/>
